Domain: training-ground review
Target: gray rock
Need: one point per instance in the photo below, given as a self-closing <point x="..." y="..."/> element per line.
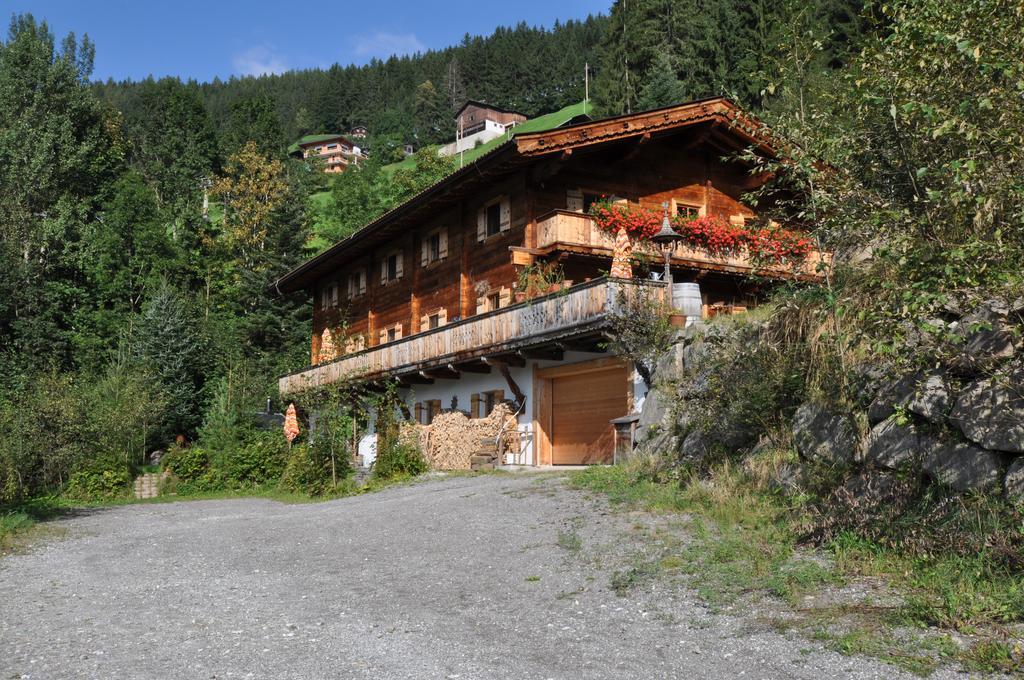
<point x="1013" y="486"/>
<point x="990" y="412"/>
<point x="892" y="394"/>
<point x="824" y="436"/>
<point x="788" y="479"/>
<point x="872" y="486"/>
<point x="988" y="336"/>
<point x="654" y="412"/>
<point x="963" y="466"/>
<point x="695" y="446"/>
<point x="669" y="367"/>
<point x="891" y="445"/>
<point x="660" y="442"/>
<point x="931" y="400"/>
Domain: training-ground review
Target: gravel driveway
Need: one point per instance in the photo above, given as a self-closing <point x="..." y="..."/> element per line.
<point x="498" y="576"/>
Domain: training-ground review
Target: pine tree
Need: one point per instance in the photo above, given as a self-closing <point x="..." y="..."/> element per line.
<point x="454" y="86"/>
<point x="433" y="124"/>
<point x="662" y="87"/>
<point x="254" y="120"/>
<point x="169" y="343"/>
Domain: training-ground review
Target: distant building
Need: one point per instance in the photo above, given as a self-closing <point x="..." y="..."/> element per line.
<point x="479" y="123"/>
<point x="336" y="151"/>
<point x="359" y="132"/>
<point x="409" y="149"/>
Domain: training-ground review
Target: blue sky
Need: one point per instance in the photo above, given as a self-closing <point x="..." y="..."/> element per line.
<point x="194" y="39"/>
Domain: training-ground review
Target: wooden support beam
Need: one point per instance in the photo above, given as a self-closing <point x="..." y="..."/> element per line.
<point x="547" y="352"/>
<point x="500" y="360"/>
<point x="441" y="373"/>
<point x="594" y="345"/>
<point x="415" y="379"/>
<point x="471" y="367"/>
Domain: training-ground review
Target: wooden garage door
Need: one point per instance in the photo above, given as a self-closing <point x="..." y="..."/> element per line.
<point x="581" y="406"/>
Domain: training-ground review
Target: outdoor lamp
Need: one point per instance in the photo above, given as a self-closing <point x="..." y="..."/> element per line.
<point x="666" y="240"/>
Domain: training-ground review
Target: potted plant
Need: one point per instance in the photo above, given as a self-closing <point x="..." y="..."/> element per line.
<point x="539" y="278"/>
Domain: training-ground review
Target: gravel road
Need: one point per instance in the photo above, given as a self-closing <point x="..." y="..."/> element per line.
<point x="498" y="576"/>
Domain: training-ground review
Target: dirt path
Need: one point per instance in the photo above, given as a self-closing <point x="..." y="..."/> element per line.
<point x="497" y="576"/>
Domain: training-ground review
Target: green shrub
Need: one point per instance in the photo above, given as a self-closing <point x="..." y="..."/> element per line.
<point x="106" y="478"/>
<point x="193" y="470"/>
<point x="308" y="471"/>
<point x="259" y="459"/>
<point x="399" y="459"/>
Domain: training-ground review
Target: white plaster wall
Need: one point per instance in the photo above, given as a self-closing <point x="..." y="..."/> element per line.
<point x="470" y="383"/>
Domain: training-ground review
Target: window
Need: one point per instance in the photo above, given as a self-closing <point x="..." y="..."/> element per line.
<point x="329" y="296"/>
<point x="492" y="399"/>
<point x="391" y="267"/>
<point x="494" y="299"/>
<point x="493" y="219"/>
<point x="589" y="200"/>
<point x="389" y="334"/>
<point x="434" y="247"/>
<point x="356" y="283"/>
<point x="481" y="405"/>
<point x="688" y="212"/>
<point x="434" y="319"/>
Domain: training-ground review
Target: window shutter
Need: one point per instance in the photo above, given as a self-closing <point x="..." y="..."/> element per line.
<point x="424" y="252"/>
<point x="419" y="412"/>
<point x="362" y="281"/>
<point x="334" y="294"/>
<point x="505" y="297"/>
<point x="383" y="271"/>
<point x="400" y="258"/>
<point x="424" y="323"/>
<point x="442" y="316"/>
<point x="323" y="299"/>
<point x="474" y="406"/>
<point x="481" y="224"/>
<point x="382" y="336"/>
<point x="506" y="214"/>
<point x="443" y="236"/>
<point x="398" y="331"/>
<point x="481" y="305"/>
<point x="574" y="200"/>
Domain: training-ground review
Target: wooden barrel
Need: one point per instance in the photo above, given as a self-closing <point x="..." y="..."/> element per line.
<point x="686" y="298"/>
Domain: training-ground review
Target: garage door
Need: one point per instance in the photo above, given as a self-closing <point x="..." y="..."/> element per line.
<point x="581" y="406"/>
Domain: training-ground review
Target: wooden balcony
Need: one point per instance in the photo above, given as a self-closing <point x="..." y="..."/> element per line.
<point x="561" y="230"/>
<point x="571" y="316"/>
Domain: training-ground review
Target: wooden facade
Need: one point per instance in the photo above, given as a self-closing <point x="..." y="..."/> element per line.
<point x="450" y="257"/>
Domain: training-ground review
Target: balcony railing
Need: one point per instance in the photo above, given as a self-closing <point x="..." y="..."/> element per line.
<point x="565" y="230"/>
<point x="572" y="312"/>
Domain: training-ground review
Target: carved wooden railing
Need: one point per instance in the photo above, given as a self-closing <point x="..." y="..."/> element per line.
<point x="573" y="311"/>
<point x="562" y="228"/>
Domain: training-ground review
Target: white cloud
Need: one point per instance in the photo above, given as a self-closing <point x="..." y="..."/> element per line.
<point x="383" y="45"/>
<point x="258" y="60"/>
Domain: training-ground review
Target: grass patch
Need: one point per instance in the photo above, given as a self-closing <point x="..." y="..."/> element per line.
<point x="743" y="539"/>
<point x="22" y="523"/>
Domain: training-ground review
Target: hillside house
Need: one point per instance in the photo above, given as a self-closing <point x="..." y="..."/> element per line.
<point x="478" y="123"/>
<point x="425" y="294"/>
<point x="336" y="151"/>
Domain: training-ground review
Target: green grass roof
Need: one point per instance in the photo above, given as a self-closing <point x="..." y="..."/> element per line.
<point x="548" y="121"/>
<point x="312" y="138"/>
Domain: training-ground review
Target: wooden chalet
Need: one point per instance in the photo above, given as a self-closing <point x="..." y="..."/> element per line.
<point x="425" y="294"/>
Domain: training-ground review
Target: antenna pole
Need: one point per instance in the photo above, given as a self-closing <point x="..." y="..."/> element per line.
<point x="586" y="85"/>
